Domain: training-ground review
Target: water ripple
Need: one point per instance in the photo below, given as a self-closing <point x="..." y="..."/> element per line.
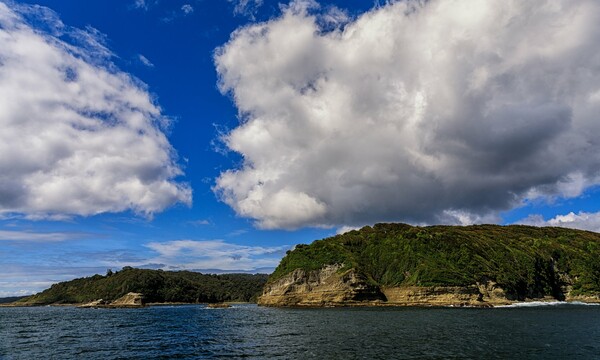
<point x="250" y="332"/>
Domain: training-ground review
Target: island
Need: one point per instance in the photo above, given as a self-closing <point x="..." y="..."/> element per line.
<point x="403" y="265"/>
<point x="131" y="288"/>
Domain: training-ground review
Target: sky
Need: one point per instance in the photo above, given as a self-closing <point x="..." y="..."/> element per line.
<point x="215" y="135"/>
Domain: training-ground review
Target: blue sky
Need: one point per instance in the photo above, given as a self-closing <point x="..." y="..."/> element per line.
<point x="216" y="135"/>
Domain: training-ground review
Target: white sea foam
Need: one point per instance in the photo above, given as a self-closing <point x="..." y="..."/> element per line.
<point x="546" y="303"/>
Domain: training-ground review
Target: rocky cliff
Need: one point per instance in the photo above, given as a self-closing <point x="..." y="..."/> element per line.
<point x="401" y="265"/>
<point x="324" y="287"/>
<point x="329" y="287"/>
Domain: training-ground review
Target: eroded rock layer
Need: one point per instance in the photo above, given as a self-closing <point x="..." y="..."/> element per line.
<point x="330" y="287"/>
<point x="325" y="287"/>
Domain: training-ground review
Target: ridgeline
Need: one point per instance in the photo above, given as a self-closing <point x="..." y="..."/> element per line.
<point x="157" y="286"/>
<point x="399" y="264"/>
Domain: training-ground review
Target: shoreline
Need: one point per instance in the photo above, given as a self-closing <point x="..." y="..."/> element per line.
<point x="515" y="304"/>
<point x="79" y="305"/>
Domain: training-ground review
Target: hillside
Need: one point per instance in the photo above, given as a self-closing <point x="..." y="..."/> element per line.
<point x="156" y="286"/>
<point x="484" y="264"/>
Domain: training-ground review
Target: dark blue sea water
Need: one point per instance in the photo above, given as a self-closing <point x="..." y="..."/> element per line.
<point x="248" y="331"/>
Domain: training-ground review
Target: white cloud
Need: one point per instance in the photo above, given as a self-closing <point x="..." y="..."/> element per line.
<point x="460" y="217"/>
<point x="21" y="292"/>
<point x="78" y="136"/>
<point x="187" y="9"/>
<point x="23" y="288"/>
<point x="334" y="17"/>
<point x="345" y="229"/>
<point x="581" y="220"/>
<point x="238" y="232"/>
<point x="436" y="111"/>
<point x="144" y="60"/>
<point x="39" y="236"/>
<point x="246" y="7"/>
<point x="215" y="254"/>
<point x="141" y="4"/>
<point x="200" y="222"/>
<point x="18" y="279"/>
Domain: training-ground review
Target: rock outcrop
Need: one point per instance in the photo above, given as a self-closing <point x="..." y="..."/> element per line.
<point x="94" y="304"/>
<point x="330" y="287"/>
<point x="325" y="287"/>
<point x="129" y="300"/>
<point x="481" y="295"/>
<point x="218" y="306"/>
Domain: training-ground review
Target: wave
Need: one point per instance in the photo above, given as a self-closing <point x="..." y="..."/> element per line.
<point x="546" y="303"/>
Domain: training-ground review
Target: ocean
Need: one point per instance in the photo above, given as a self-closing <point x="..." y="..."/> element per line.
<point x="538" y="331"/>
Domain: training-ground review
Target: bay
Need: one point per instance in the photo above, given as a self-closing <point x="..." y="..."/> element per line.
<point x="247" y="331"/>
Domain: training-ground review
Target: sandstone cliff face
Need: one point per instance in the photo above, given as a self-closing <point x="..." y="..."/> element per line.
<point x="129" y="300"/>
<point x="330" y="287"/>
<point x="482" y="294"/>
<point x="324" y="287"/>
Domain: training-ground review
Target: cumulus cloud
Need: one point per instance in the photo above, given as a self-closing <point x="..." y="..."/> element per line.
<point x="418" y="111"/>
<point x="215" y="254"/>
<point x="77" y="136"/>
<point x="581" y="220"/>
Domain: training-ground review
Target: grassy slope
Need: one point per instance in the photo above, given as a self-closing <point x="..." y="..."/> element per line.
<point x="156" y="285"/>
<point x="521" y="259"/>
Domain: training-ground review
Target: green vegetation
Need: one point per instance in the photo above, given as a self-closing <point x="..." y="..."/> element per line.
<point x="156" y="286"/>
<point x="528" y="262"/>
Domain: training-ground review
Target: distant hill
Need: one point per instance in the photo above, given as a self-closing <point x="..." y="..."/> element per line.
<point x="483" y="264"/>
<point x="10" y="299"/>
<point x="156" y="286"/>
